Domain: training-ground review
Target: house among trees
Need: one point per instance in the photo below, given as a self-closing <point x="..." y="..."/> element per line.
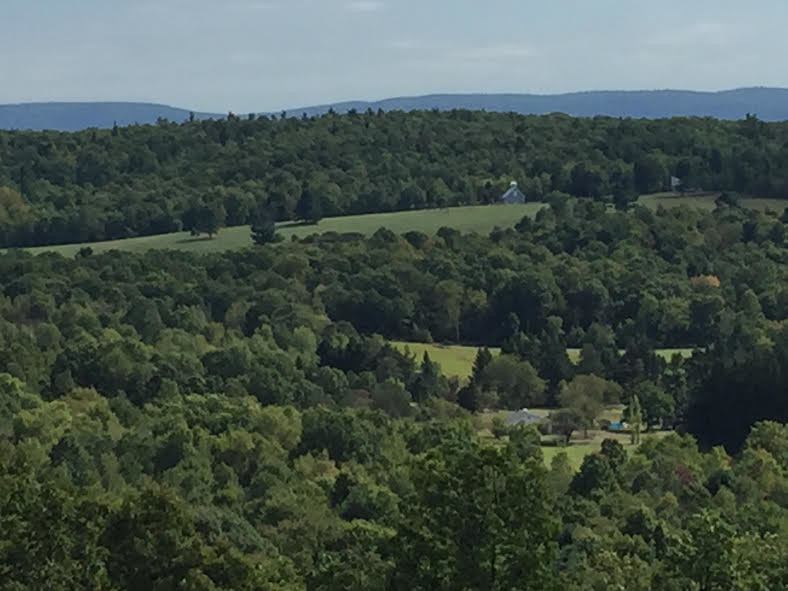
<point x="513" y="195"/>
<point x="522" y="417"/>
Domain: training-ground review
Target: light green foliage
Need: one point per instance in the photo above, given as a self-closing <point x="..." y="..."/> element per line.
<point x="634" y="416"/>
<point x="587" y="396"/>
<point x="560" y="474"/>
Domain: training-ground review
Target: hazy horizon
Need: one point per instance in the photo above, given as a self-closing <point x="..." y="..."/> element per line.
<point x="267" y="55"/>
<point x="397" y="97"/>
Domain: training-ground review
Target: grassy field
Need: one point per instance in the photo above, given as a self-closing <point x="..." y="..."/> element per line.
<point x="457" y="360"/>
<point x="706" y="201"/>
<point x="666" y="354"/>
<point x="579" y="448"/>
<point x="476" y="218"/>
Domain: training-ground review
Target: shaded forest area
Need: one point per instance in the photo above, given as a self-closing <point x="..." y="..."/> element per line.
<point x="140" y="180"/>
<point x="238" y="420"/>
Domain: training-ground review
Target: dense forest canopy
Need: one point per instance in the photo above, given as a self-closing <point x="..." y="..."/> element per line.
<point x="139" y="180"/>
<point x="239" y="420"/>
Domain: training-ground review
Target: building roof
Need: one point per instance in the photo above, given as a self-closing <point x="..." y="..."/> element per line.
<point x="522" y="417"/>
<point x="513" y="194"/>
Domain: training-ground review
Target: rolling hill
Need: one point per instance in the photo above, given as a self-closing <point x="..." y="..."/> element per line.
<point x="770" y="104"/>
<point x="78" y="116"/>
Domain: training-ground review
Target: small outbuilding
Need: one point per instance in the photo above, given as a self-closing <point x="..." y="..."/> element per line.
<point x="513" y="194"/>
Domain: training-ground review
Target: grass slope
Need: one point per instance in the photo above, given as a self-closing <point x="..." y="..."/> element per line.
<point x="707" y="201"/>
<point x="666" y="354"/>
<point x="475" y="218"/>
<point x="472" y="218"/>
<point x="455" y="360"/>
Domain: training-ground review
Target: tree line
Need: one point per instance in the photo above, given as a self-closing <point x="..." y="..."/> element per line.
<point x="140" y="180"/>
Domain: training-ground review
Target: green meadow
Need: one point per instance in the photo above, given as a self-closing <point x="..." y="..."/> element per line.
<point x="457" y="360"/>
<point x="473" y="218"/>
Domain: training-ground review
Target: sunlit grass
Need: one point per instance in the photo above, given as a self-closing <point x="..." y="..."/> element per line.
<point x="478" y="218"/>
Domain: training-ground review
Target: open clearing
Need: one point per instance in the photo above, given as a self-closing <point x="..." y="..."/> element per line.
<point x="707" y="201"/>
<point x="475" y="218"/>
<point x="579" y="447"/>
<point x="472" y="218"/>
<point x="577" y="451"/>
<point x="457" y="360"/>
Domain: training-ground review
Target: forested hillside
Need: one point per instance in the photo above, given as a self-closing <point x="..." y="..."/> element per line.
<point x="768" y="103"/>
<point x="239" y="420"/>
<point x="139" y="180"/>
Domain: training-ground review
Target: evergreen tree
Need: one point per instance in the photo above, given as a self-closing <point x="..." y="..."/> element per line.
<point x="309" y="208"/>
<point x="633" y="414"/>
<point x="264" y="228"/>
<point x="483" y="359"/>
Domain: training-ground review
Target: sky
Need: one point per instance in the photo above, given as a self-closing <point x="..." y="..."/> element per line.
<point x="262" y="55"/>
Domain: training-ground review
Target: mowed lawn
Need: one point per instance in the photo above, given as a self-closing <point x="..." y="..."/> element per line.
<point x="475" y="218"/>
<point x="579" y="447"/>
<point x="457" y="360"/>
<point x="576" y="452"/>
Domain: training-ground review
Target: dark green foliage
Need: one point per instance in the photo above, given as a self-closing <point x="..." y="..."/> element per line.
<point x="204" y="218"/>
<point x="345" y="435"/>
<point x="309" y="208"/>
<point x="483" y="359"/>
<point x="566" y="421"/>
<point x="263" y="228"/>
<point x="515" y="383"/>
<point x="476" y="520"/>
<point x="234" y="421"/>
<point x="596" y="476"/>
<point x="152" y="179"/>
<point x="742" y="382"/>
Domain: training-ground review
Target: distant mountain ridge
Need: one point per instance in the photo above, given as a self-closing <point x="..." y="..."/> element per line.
<point x="76" y="116"/>
<point x="770" y="104"/>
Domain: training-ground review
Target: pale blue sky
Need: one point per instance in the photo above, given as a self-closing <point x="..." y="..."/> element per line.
<point x="256" y="55"/>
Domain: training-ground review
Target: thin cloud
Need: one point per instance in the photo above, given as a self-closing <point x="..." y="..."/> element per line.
<point x="365" y="6"/>
<point x="494" y="53"/>
<point x="450" y="51"/>
<point x="704" y="33"/>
